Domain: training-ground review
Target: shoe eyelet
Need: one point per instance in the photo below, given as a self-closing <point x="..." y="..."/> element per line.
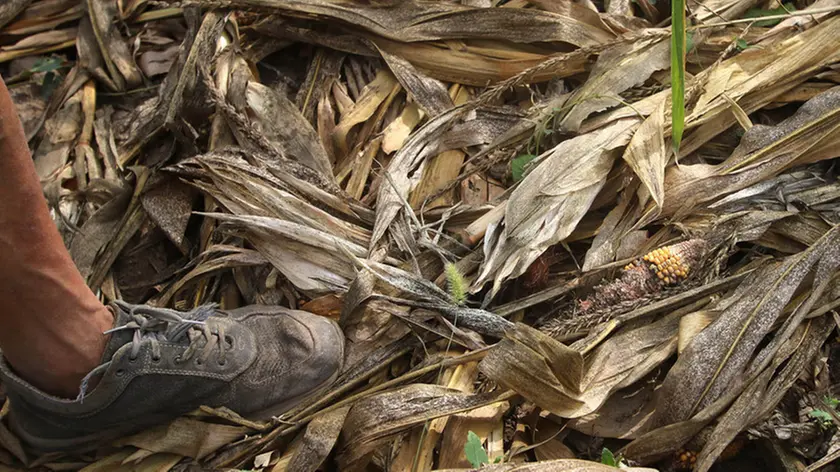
<point x="156" y="360"/>
<point x="177" y="359"/>
<point x="229" y="340"/>
<point x="120" y="372"/>
<point x="198" y="362"/>
<point x="132" y="360"/>
<point x="223" y="363"/>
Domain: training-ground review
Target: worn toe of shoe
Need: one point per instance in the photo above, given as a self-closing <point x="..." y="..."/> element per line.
<point x="298" y="354"/>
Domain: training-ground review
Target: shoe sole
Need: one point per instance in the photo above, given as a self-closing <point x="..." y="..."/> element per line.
<point x="91" y="442"/>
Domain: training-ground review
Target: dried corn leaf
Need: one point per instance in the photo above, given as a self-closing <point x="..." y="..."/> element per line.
<point x="186" y="437"/>
<point x="411" y="21"/>
<point x="398" y="130"/>
<point x="169" y="205"/>
<point x="323" y="72"/>
<point x="807" y="136"/>
<point x="118" y="59"/>
<point x="371" y="98"/>
<point x="692" y="324"/>
<point x="764" y="393"/>
<point x="559" y="465"/>
<point x="44" y="15"/>
<point x="373" y="420"/>
<point x="41" y="41"/>
<point x="304" y="255"/>
<point x="430" y="94"/>
<point x="480" y="421"/>
<point x="647" y="155"/>
<point x="539" y="368"/>
<point x="420" y="146"/>
<point x="10" y="9"/>
<point x="131" y="221"/>
<point x="473" y="68"/>
<point x="181" y="98"/>
<point x="99" y="228"/>
<point x="795" y="341"/>
<point x="11" y="443"/>
<point x="624" y="359"/>
<point x="461" y="377"/>
<point x="619" y="68"/>
<point x="441" y="169"/>
<point x="623" y="416"/>
<point x="719" y="355"/>
<point x="548" y="204"/>
<point x="754" y="77"/>
<point x="797" y="23"/>
<point x="318" y="440"/>
<point x="231" y="257"/>
<point x="252" y="188"/>
<point x="281" y="123"/>
<point x="615" y="233"/>
<point x="53" y="153"/>
<point x="153" y="62"/>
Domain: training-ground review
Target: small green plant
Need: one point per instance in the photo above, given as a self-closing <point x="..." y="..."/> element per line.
<point x="475" y="451"/>
<point x="517" y="166"/>
<point x="823" y="418"/>
<point x="476" y="454"/>
<point x="456" y="283"/>
<point x="51" y="67"/>
<point x="608" y="458"/>
<point x="741" y="44"/>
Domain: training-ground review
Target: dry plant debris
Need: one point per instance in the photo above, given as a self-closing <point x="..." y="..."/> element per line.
<point x="485" y="195"/>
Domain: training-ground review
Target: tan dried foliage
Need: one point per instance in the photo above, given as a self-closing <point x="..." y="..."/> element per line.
<point x="452" y="181"/>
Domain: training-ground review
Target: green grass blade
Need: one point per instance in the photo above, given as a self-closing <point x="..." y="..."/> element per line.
<point x="678" y="45"/>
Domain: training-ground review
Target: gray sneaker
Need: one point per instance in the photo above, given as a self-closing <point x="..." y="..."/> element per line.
<point x="259" y="361"/>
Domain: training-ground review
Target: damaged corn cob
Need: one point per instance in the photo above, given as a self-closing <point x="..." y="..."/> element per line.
<point x="645" y="278"/>
<point x="669" y="263"/>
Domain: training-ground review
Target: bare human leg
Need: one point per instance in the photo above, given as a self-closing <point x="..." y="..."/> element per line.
<point x="51" y="324"/>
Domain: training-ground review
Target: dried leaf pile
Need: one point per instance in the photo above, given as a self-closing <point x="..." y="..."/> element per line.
<point x="484" y="195"/>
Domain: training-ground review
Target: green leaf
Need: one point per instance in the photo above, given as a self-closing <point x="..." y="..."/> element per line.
<point x="517" y="166"/>
<point x="607" y="458"/>
<point x="475" y="451"/>
<point x="46" y="64"/>
<point x="759" y="13"/>
<point x="51" y="82"/>
<point x="678" y="48"/>
<point x="821" y="415"/>
<point x="741" y="44"/>
<point x="831" y="401"/>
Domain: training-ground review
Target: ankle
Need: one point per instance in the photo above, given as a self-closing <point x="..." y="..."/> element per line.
<point x="73" y="353"/>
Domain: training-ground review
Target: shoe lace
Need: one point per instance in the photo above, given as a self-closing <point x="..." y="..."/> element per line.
<point x="157" y="325"/>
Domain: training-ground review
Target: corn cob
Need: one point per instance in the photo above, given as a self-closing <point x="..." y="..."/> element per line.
<point x="654" y="275"/>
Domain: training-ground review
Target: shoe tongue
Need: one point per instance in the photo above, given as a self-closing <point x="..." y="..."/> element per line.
<point x="118" y="338"/>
